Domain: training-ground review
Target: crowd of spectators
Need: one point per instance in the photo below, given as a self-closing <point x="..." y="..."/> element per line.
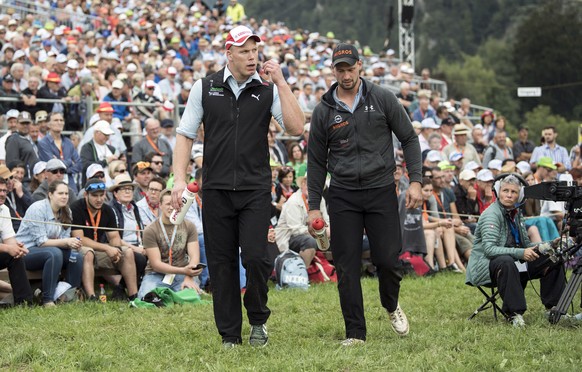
<point x="113" y="160"/>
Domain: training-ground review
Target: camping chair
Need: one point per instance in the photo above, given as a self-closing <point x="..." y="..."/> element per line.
<point x="490" y="302"/>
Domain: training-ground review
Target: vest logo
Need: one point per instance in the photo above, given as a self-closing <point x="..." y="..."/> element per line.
<point x="216" y="92"/>
<point x="369" y="108"/>
<point x="337" y="119"/>
<point x="256" y="96"/>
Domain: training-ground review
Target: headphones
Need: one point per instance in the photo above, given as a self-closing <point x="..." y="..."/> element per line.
<point x="501" y="177"/>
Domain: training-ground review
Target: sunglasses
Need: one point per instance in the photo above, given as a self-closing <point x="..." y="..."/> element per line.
<point x="96" y="187"/>
<point x="59" y="171"/>
<point x="157" y="162"/>
<point x="121" y="171"/>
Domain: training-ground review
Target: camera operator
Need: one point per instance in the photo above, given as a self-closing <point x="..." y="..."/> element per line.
<point x="500" y="242"/>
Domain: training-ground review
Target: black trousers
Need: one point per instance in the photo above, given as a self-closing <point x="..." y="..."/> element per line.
<point x="18" y="280"/>
<point x="376" y="211"/>
<point x="511" y="283"/>
<point x="234" y="219"/>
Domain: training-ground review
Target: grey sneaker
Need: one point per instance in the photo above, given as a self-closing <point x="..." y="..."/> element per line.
<point x="399" y="321"/>
<point x="259" y="335"/>
<point x="228" y="345"/>
<point x="348" y="342"/>
<point x="517" y="321"/>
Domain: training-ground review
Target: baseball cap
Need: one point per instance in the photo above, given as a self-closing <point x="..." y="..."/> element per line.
<point x="187" y="85"/>
<point x="93" y="169"/>
<point x="167" y="123"/>
<point x="433" y="156"/>
<point x="53" y="77"/>
<point x="61" y="58"/>
<point x="25" y="117"/>
<point x="495" y="164"/>
<point x="168" y="105"/>
<point x="103" y="127"/>
<point x="39" y="167"/>
<point x="12" y="114"/>
<point x="131" y="67"/>
<point x="467" y="175"/>
<point x="73" y="64"/>
<point x="239" y="35"/>
<point x="454" y="156"/>
<point x="150" y="84"/>
<point x="346" y="53"/>
<point x="55" y="164"/>
<point x="429" y="123"/>
<point x="140" y="166"/>
<point x="523" y="167"/>
<point x="172" y="70"/>
<point x="485" y="175"/>
<point x="447" y="121"/>
<point x="8" y="78"/>
<point x="95" y="185"/>
<point x="445" y="165"/>
<point x="546" y="162"/>
<point x="472" y="165"/>
<point x="105" y="107"/>
<point x="117" y="84"/>
<point x="40" y="116"/>
<point x="18" y="54"/>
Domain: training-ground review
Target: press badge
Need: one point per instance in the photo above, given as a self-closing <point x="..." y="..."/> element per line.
<point x="169" y="279"/>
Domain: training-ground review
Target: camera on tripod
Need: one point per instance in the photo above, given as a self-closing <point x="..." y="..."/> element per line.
<point x="568" y="192"/>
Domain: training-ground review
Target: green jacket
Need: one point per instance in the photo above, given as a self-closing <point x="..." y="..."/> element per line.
<point x="490" y="237"/>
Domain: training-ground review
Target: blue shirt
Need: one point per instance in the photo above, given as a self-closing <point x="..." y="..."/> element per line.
<point x="194" y="111"/>
<point x="47" y="150"/>
<point x="559" y="155"/>
<point x="35" y="234"/>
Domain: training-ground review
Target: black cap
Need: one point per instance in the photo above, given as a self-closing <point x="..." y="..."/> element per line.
<point x="447" y="121"/>
<point x="345" y="53"/>
<point x="8" y="77"/>
<point x="167" y="123"/>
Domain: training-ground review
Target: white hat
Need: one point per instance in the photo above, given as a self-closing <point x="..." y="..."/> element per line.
<point x="467" y="175"/>
<point x="117" y="84"/>
<point x="73" y="64"/>
<point x="292" y="80"/>
<point x="433" y="156"/>
<point x="472" y="165"/>
<point x="429" y="123"/>
<point x="150" y="84"/>
<point x="168" y="106"/>
<point x="18" y="54"/>
<point x="61" y="58"/>
<point x="495" y="164"/>
<point x="12" y="114"/>
<point x="103" y="127"/>
<point x="172" y="70"/>
<point x="239" y="35"/>
<point x="454" y="156"/>
<point x="93" y="169"/>
<point x="523" y="167"/>
<point x="113" y="55"/>
<point x="55" y="164"/>
<point x="390" y="52"/>
<point x="485" y="175"/>
<point x="187" y="85"/>
<point x="59" y="31"/>
<point x="39" y="167"/>
<point x="62" y="287"/>
<point x="131" y="67"/>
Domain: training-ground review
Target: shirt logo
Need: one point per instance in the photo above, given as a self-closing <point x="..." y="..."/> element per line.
<point x="256" y="96"/>
<point x="369" y="108"/>
<point x="338" y="119"/>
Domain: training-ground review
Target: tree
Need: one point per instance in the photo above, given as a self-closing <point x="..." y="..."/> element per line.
<point x="541" y="116"/>
<point x="547" y="51"/>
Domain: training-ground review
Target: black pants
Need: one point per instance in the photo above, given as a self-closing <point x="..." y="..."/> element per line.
<point x="234" y="219"/>
<point x="511" y="283"/>
<point x="376" y="211"/>
<point x="18" y="280"/>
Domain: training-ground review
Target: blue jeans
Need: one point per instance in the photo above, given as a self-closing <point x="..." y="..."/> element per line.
<point x="204" y="277"/>
<point x="51" y="260"/>
<point x="154" y="280"/>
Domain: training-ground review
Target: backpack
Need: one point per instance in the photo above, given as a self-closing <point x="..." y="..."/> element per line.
<point x="321" y="270"/>
<point x="413" y="264"/>
<point x="290" y="271"/>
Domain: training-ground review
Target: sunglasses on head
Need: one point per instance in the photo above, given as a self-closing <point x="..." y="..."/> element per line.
<point x="95" y="187"/>
<point x="61" y="171"/>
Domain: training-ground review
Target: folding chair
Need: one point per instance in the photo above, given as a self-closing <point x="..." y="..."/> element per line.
<point x="490" y="302"/>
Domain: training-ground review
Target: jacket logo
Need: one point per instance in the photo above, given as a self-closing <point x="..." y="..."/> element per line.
<point x="337" y="118"/>
<point x="217" y="92"/>
<point x="340" y="125"/>
<point x="256" y="96"/>
<point x="369" y="108"/>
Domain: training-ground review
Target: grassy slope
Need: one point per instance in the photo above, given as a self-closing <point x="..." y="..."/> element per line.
<point x="305" y="329"/>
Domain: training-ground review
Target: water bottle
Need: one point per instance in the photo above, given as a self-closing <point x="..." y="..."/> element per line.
<point x="102" y="294"/>
<point x="188" y="197"/>
<point x="74" y="254"/>
<point x="320" y="234"/>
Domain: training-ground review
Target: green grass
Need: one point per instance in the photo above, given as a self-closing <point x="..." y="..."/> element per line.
<point x="305" y="329"/>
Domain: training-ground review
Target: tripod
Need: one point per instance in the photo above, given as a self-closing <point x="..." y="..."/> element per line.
<point x="571" y="288"/>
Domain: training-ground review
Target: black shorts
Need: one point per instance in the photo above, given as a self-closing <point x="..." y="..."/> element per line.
<point x="299" y="243"/>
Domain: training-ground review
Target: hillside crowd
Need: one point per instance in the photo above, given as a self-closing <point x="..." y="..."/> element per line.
<point x="86" y="170"/>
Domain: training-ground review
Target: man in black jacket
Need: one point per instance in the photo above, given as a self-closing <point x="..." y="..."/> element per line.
<point x="236" y="106"/>
<point x="20" y="148"/>
<point x="351" y="138"/>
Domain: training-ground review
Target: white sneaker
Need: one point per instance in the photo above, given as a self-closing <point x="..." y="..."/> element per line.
<point x="518" y="321"/>
<point x="348" y="342"/>
<point x="399" y="321"/>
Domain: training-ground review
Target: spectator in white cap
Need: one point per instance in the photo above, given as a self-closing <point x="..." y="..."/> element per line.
<point x="38" y="175"/>
<point x="466" y="199"/>
<point x="472" y="166"/>
<point x="485" y="194"/>
<point x="97" y="171"/>
<point x="427" y="127"/>
<point x="460" y="132"/>
<point x="11" y="121"/>
<point x="97" y="150"/>
<point x="70" y="78"/>
<point x="497" y="149"/>
<point x="456" y="160"/>
<point x="495" y="167"/>
<point x="119" y="93"/>
<point x="523" y="167"/>
<point x="169" y="87"/>
<point x="55" y="171"/>
<point x="432" y="159"/>
<point x="146" y="95"/>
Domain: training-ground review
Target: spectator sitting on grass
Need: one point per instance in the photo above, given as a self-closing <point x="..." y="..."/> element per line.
<point x="172" y="252"/>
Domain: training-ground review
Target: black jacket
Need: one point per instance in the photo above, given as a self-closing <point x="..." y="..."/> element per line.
<point x="236" y="150"/>
<point x="89" y="156"/>
<point x="117" y="208"/>
<point x="357" y="148"/>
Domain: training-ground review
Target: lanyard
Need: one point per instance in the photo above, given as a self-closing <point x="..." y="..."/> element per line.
<point x="458" y="150"/>
<point x="305" y="202"/>
<point x="154" y="146"/>
<point x="94" y="223"/>
<point x="199" y="202"/>
<point x="424" y="212"/>
<point x="168" y="241"/>
<point x="436" y="196"/>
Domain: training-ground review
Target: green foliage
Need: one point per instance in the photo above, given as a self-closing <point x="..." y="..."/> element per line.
<point x="541" y="116"/>
<point x="305" y="329"/>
